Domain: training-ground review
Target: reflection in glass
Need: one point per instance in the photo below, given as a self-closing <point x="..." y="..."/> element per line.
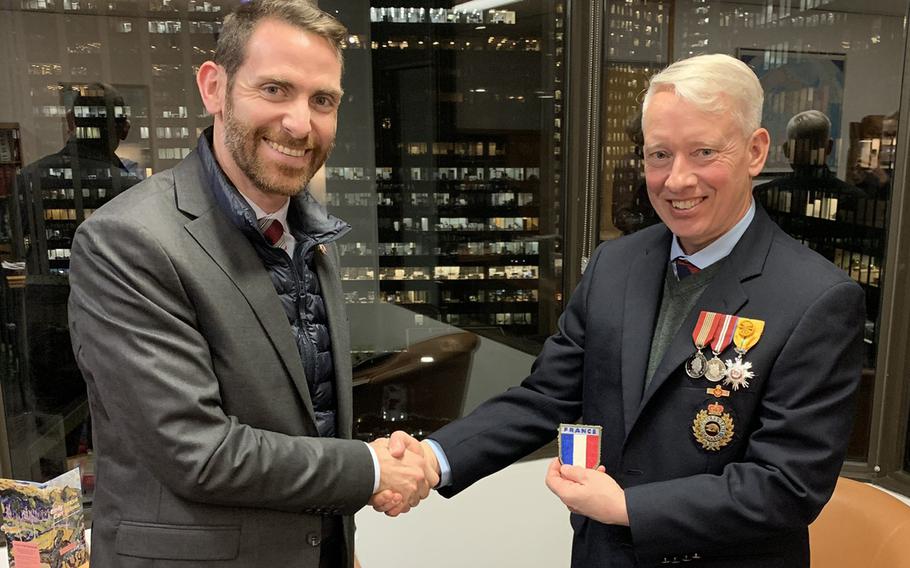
<point x="448" y="167"/>
<point x="465" y="133"/>
<point x="86" y="125"/>
<point x="828" y="180"/>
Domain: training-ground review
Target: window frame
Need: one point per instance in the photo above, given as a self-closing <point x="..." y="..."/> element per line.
<point x="891" y="401"/>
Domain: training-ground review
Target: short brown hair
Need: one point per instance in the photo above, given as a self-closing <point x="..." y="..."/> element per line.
<point x="238" y="26"/>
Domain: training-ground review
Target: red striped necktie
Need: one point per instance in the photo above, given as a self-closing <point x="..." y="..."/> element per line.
<point x="684" y="268"/>
<point x="273" y="231"/>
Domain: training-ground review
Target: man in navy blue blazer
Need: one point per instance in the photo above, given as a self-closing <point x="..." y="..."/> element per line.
<point x="719" y="356"/>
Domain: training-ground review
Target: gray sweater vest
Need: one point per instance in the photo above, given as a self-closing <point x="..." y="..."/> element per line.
<point x="679" y="298"/>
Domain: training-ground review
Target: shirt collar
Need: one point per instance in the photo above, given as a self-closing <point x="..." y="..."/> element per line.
<point x="313" y="220"/>
<point x="281" y="214"/>
<point x="720" y="248"/>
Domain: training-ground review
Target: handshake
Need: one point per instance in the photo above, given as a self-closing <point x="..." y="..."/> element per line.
<point x="408" y="469"/>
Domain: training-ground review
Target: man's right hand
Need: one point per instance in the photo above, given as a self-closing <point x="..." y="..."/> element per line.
<point x="403" y="446"/>
<point x="405" y="477"/>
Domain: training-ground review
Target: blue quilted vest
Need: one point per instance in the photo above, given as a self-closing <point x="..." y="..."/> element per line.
<point x="294" y="278"/>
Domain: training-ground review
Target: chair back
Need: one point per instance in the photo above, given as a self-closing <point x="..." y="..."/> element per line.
<point x="861" y="527"/>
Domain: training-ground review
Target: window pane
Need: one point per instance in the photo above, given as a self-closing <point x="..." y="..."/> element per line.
<point x="448" y="166"/>
<point x="828" y="179"/>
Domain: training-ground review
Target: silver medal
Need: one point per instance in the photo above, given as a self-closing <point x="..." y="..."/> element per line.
<point x="695" y="366"/>
<point x="715" y="369"/>
<point x="738" y="373"/>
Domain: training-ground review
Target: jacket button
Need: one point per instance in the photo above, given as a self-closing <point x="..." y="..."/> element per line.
<point x="314" y="539"/>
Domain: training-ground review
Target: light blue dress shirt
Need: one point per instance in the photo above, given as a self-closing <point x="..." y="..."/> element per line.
<point x="720" y="248"/>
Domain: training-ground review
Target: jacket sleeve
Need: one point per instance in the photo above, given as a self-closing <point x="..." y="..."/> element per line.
<point x="794" y="452"/>
<point x="150" y="373"/>
<point x="521" y="420"/>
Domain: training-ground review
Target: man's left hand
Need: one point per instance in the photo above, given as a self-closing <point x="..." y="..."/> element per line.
<point x="589" y="492"/>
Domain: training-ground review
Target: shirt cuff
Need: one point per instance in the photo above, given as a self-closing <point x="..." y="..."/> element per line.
<point x="445" y="471"/>
<point x="376" y="472"/>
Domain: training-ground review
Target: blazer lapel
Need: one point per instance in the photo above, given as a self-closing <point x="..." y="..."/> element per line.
<point x="227" y="246"/>
<point x="643" y="292"/>
<point x="333" y="298"/>
<point x="724" y="295"/>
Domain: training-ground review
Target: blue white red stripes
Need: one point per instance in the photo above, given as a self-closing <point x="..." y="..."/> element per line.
<point x="579" y="445"/>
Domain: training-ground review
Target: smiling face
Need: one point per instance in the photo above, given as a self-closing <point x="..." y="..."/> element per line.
<point x="698" y="168"/>
<point x="275" y="124"/>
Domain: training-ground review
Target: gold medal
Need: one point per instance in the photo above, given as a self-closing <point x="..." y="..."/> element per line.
<point x="713" y="428"/>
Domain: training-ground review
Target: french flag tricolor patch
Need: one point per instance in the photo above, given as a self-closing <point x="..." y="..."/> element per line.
<point x="579" y="444"/>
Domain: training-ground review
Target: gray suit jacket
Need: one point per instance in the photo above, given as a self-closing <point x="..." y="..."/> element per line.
<point x="204" y="431"/>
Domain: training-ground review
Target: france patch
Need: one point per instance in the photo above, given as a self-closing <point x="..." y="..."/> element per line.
<point x="579" y="444"/>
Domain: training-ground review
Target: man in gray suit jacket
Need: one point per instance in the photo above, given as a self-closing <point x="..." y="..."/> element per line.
<point x="207" y="317"/>
<point x="719" y="356"/>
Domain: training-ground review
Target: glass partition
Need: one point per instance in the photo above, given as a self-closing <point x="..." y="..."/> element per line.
<point x="447" y="164"/>
<point x="451" y="176"/>
<point x="829" y="176"/>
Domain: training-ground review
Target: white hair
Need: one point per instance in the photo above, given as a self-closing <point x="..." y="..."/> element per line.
<point x="714" y="83"/>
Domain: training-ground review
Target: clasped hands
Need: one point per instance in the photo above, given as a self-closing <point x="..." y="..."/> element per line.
<point x="408" y="469"/>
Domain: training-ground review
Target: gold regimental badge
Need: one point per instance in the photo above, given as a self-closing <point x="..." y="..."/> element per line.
<point x="713" y="428"/>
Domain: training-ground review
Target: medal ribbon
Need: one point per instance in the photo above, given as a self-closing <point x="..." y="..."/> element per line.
<point x="705" y="329"/>
<point x="748" y="332"/>
<point x="725" y="334"/>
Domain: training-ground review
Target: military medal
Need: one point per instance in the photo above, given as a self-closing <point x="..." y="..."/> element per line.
<point x="713" y="428"/>
<point x="715" y="369"/>
<point x="579" y="444"/>
<point x="748" y="332"/>
<point x="702" y="335"/>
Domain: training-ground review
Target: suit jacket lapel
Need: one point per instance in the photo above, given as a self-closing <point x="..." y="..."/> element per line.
<point x="227" y="246"/>
<point x="643" y="292"/>
<point x="724" y="295"/>
<point x="333" y="298"/>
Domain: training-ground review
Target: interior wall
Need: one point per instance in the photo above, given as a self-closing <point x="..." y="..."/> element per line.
<point x="508" y="519"/>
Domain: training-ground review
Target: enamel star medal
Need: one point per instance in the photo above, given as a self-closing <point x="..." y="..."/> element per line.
<point x="712" y="427"/>
<point x="702" y="335"/>
<point x="715" y="369"/>
<point x="748" y="332"/>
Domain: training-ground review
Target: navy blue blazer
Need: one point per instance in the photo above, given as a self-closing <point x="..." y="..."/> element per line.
<point x="747" y="504"/>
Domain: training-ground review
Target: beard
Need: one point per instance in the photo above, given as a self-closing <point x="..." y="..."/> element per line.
<point x="243" y="141"/>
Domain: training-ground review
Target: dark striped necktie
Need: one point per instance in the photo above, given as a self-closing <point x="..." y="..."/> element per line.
<point x="273" y="231"/>
<point x="684" y="268"/>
